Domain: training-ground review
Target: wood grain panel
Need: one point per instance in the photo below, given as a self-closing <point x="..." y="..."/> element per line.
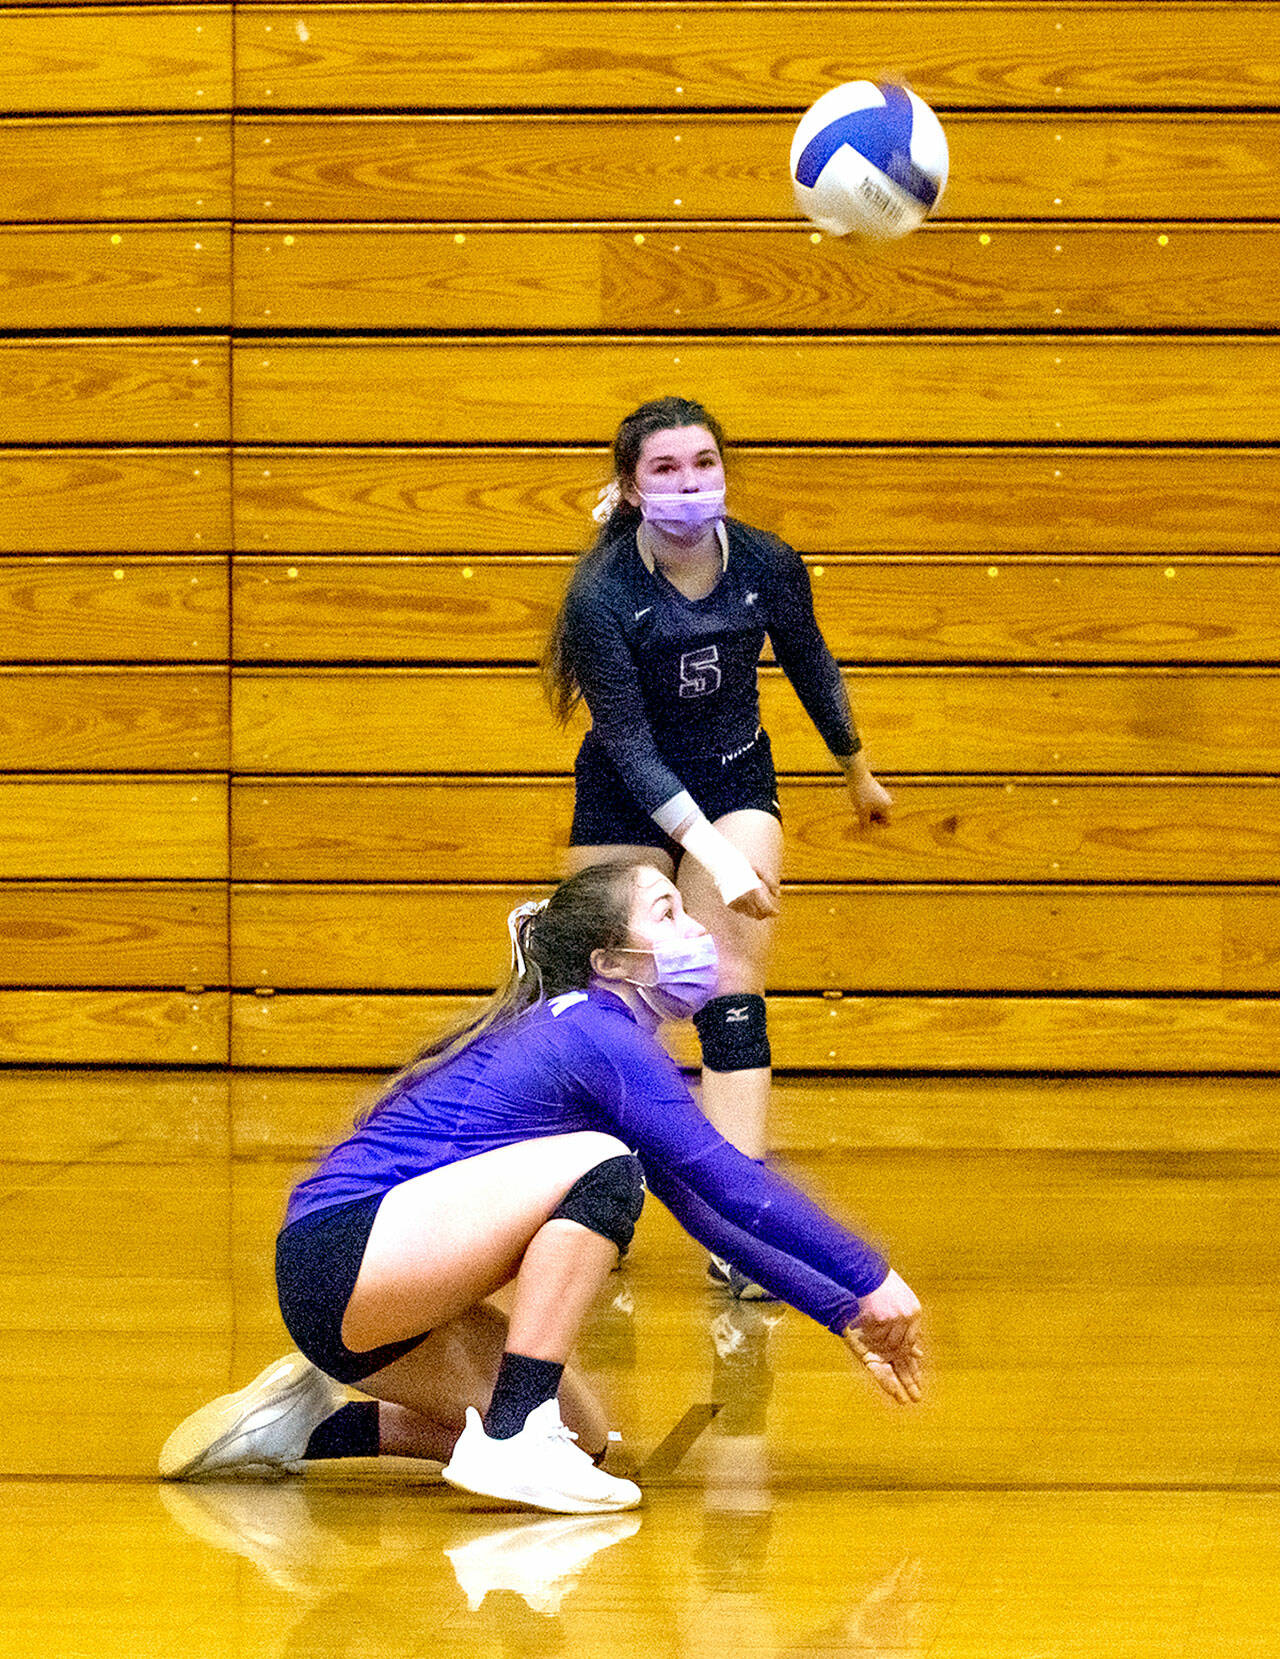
<point x="736" y="55"/>
<point x="116" y="58"/>
<point x="175" y="167"/>
<point x="358" y="829"/>
<point x="941" y="720"/>
<point x="131" y="390"/>
<point x="127" y="1027"/>
<point x="538" y="500"/>
<point x="296" y="1114"/>
<point x="79" y="719"/>
<point x="690" y="167"/>
<point x="989" y="829"/>
<point x="1047" y="388"/>
<point x="1178" y="1034"/>
<point x="132" y="1115"/>
<point x="118" y="276"/>
<point x="93" y="609"/>
<point x="395" y="610"/>
<point x="908" y="938"/>
<point x="693" y="278"/>
<point x="115" y="501"/>
<point x="113" y="933"/>
<point x="87" y="828"/>
<point x="871" y="609"/>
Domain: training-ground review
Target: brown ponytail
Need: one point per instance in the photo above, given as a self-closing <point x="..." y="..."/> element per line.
<point x="590" y="911"/>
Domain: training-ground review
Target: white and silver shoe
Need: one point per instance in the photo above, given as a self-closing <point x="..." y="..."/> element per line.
<point x="260" y="1431"/>
<point x="541" y="1466"/>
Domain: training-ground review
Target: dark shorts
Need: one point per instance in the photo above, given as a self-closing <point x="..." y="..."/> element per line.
<point x="317" y="1260"/>
<point x="605" y="813"/>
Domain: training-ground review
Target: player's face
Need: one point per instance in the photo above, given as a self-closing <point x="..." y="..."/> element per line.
<point x="677" y="462"/>
<point x="657" y="915"/>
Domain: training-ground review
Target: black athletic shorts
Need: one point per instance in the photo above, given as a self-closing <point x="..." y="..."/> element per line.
<point x="606" y="814"/>
<point x="317" y="1261"/>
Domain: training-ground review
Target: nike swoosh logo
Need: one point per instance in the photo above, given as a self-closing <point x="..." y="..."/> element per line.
<point x="644" y="612"/>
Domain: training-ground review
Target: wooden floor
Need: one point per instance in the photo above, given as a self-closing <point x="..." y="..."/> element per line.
<point x="1096" y="1471"/>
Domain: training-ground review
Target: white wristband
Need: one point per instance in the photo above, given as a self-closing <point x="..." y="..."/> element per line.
<point x="729" y="869"/>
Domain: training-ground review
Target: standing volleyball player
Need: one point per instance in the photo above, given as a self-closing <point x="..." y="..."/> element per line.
<point x="516" y="1150"/>
<point x="660" y="634"/>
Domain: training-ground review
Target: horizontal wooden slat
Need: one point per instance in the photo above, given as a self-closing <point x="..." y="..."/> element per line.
<point x="131" y="390"/>
<point x="908" y="938"/>
<point x="1178" y="1034"/>
<point x="1049" y="720"/>
<point x="394" y="56"/>
<point x="113" y="828"/>
<point x="871" y="609"/>
<point x="175" y="167"/>
<point x="120" y="1116"/>
<point x="290" y="609"/>
<point x="161" y="720"/>
<point x="1184" y="1114"/>
<point x="296" y="1114"/>
<point x="690" y="167"/>
<point x="115" y="501"/>
<point x="116" y="57"/>
<point x="131" y="1027"/>
<point x="132" y="609"/>
<point x="1148" y="500"/>
<point x="116" y="276"/>
<point x="992" y="829"/>
<point x="1012" y="276"/>
<point x="911" y="390"/>
<point x="109" y="933"/>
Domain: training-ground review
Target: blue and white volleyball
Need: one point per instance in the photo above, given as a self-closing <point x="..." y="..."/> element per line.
<point x="869" y="160"/>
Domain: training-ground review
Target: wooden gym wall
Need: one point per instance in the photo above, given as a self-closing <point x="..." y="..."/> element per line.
<point x="316" y="323"/>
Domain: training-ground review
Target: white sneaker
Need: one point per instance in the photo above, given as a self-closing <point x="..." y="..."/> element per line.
<point x="541" y="1466"/>
<point x="260" y="1431"/>
<point x="538" y="1560"/>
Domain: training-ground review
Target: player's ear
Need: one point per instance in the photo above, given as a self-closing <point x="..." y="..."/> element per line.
<point x="608" y="964"/>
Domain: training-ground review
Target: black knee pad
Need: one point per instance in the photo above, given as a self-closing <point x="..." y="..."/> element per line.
<point x="733" y="1033"/>
<point x="606" y="1200"/>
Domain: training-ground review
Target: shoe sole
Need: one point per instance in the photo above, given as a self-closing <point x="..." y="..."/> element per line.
<point x="200" y="1444"/>
<point x="562" y="1506"/>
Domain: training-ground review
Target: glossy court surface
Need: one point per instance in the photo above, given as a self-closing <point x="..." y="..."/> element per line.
<point x="1095" y="1471"/>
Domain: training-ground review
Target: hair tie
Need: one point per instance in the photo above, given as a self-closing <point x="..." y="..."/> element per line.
<point x="607" y="501"/>
<point x="516" y="921"/>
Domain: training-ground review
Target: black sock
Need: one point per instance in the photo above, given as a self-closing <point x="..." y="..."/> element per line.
<point x="523" y="1385"/>
<point x="352" y="1431"/>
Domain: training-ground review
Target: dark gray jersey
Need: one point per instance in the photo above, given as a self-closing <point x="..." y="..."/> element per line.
<point x="668" y="678"/>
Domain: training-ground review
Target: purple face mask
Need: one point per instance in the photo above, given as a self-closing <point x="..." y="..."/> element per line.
<point x="679" y="512"/>
<point x="685" y="977"/>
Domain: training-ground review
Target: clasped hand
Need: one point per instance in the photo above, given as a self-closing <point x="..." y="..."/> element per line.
<point x="886" y="1339"/>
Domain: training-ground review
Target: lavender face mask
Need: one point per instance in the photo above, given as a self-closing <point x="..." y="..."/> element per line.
<point x="686" y="975"/>
<point x="678" y="513"/>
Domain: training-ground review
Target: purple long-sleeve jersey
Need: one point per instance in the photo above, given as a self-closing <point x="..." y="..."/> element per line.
<point x="581" y="1061"/>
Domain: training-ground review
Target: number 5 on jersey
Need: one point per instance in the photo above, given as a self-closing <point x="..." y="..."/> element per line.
<point x="700" y="671"/>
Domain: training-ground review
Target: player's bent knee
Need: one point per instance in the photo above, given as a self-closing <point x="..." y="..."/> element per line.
<point x="606" y="1200"/>
<point x="734" y="1033"/>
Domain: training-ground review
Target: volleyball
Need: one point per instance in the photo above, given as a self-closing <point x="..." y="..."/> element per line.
<point x="868" y="159"/>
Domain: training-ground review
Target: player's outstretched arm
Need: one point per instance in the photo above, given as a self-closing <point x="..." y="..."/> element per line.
<point x="886" y="1339"/>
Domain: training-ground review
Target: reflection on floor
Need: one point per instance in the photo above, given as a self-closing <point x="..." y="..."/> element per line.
<point x="1095" y="1472"/>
